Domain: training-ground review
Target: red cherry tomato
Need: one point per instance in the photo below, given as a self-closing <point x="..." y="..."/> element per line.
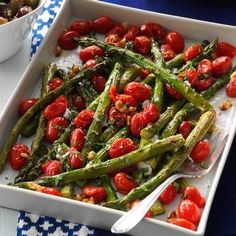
<point x="55" y="83"/>
<point x="113" y="39"/>
<point x="121" y="147"/>
<point x="127" y="100"/>
<point x="117" y="117"/>
<point x="90" y="63"/>
<point x="191" y="193"/>
<point x="225" y="49"/>
<point x="67" y="40"/>
<point x="26" y="104"/>
<point x="113" y="94"/>
<point x="124" y="183"/>
<point x="102" y="24"/>
<point x="77" y="139"/>
<point x="185" y="128"/>
<point x="51" y="191"/>
<point x="192" y="52"/>
<point x="135" y="203"/>
<point x="176" y="41"/>
<point x="221" y="65"/>
<point x="62" y="99"/>
<point x="172" y="93"/>
<point x="54" y="110"/>
<point x="82" y="27"/>
<point x="52" y="167"/>
<point x="203" y="84"/>
<point x="144" y="73"/>
<point x="231" y="90"/>
<point x="84" y="119"/>
<point x="201" y="151"/>
<point x="150" y="113"/>
<point x="118" y="29"/>
<point x="78" y="102"/>
<point x="205" y="67"/>
<point x="138" y="122"/>
<point x="98" y="193"/>
<point x="139" y="91"/>
<point x="132" y="33"/>
<point x="183" y="223"/>
<point x="90" y="52"/>
<point x="142" y="44"/>
<point x="76" y="159"/>
<point x="192" y="76"/>
<point x="188" y="210"/>
<point x="54" y="127"/>
<point x="152" y="29"/>
<point x="169" y="194"/>
<point x="98" y="82"/>
<point x="167" y="52"/>
<point x="18" y="155"/>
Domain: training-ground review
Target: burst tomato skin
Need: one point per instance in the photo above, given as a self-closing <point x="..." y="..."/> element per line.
<point x="54" y="110"/>
<point x="221" y="65"/>
<point x="167" y="52"/>
<point x="172" y="93"/>
<point x="192" y="76"/>
<point x="121" y="147"/>
<point x="205" y="67"/>
<point x="26" y="104"/>
<point x="183" y="223"/>
<point x="77" y="139"/>
<point x="52" y="167"/>
<point x="225" y="49"/>
<point x="113" y="39"/>
<point x="62" y="99"/>
<point x="231" y="90"/>
<point x="76" y="159"/>
<point x="90" y="52"/>
<point x="193" y="194"/>
<point x="185" y="128"/>
<point x="204" y="84"/>
<point x="152" y="29"/>
<point x="192" y="52"/>
<point x="67" y="40"/>
<point x="55" y="83"/>
<point x="201" y="151"/>
<point x="51" y="191"/>
<point x="142" y="44"/>
<point x="135" y="203"/>
<point x="84" y="119"/>
<point x="188" y="210"/>
<point x="132" y="33"/>
<point x="98" y="193"/>
<point x="118" y="29"/>
<point x="82" y="27"/>
<point x="78" y="102"/>
<point x="124" y="183"/>
<point x="99" y="82"/>
<point x="176" y="41"/>
<point x="102" y="24"/>
<point x="151" y="113"/>
<point x="139" y="91"/>
<point x="127" y="100"/>
<point x="138" y="122"/>
<point x="17" y="156"/>
<point x="117" y="117"/>
<point x="169" y="194"/>
<point x="90" y="63"/>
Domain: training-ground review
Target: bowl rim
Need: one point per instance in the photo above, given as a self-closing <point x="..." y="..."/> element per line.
<point x="41" y="4"/>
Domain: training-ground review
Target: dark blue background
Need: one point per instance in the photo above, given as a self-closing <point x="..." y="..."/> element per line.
<point x="222" y="220"/>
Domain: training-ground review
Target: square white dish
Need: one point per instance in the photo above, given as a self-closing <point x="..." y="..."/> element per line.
<point x="81" y="212"/>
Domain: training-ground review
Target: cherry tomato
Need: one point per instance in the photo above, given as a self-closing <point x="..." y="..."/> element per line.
<point x="152" y="29"/>
<point x="113" y="94"/>
<point x="185" y="128"/>
<point x="144" y="73"/>
<point x="191" y="193"/>
<point x="54" y="127"/>
<point x="54" y="110"/>
<point x="231" y="90"/>
<point x="142" y="44"/>
<point x="176" y="41"/>
<point x="138" y="122"/>
<point x="55" y="83"/>
<point x="118" y="29"/>
<point x="90" y="52"/>
<point x="169" y="194"/>
<point x="192" y="52"/>
<point x="98" y="82"/>
<point x="221" y="65"/>
<point x="132" y="33"/>
<point x="77" y="139"/>
<point x="18" y="155"/>
<point x="90" y="63"/>
<point x="98" y="193"/>
<point x="102" y="24"/>
<point x="204" y="67"/>
<point x="26" y="104"/>
<point x="84" y="119"/>
<point x="150" y="113"/>
<point x="78" y="102"/>
<point x="203" y="84"/>
<point x="192" y="76"/>
<point x="188" y="210"/>
<point x="51" y="191"/>
<point x="52" y="167"/>
<point x="172" y="93"/>
<point x="183" y="223"/>
<point x="124" y="183"/>
<point x="139" y="91"/>
<point x="121" y="147"/>
<point x="135" y="203"/>
<point x="117" y="117"/>
<point x="225" y="49"/>
<point x="201" y="151"/>
<point x="167" y="52"/>
<point x="67" y="40"/>
<point x="82" y="27"/>
<point x="62" y="99"/>
<point x="76" y="159"/>
<point x="127" y="100"/>
<point x="113" y="39"/>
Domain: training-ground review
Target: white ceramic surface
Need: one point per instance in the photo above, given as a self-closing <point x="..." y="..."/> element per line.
<point x="82" y="212"/>
<point x="13" y="34"/>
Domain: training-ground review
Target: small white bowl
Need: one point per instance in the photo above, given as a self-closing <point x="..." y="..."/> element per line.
<point x="13" y="33"/>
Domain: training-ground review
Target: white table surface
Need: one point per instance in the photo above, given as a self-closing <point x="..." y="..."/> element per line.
<point x="10" y="73"/>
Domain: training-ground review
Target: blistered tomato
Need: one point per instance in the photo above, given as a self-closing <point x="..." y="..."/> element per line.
<point x="77" y="139"/>
<point x="98" y="193"/>
<point x="26" y="104"/>
<point x="68" y="41"/>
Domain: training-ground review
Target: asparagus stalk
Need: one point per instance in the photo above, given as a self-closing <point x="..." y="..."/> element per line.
<point x="149" y="79"/>
<point x="108" y="133"/>
<point x="106" y="183"/>
<point x="198" y="133"/>
<point x="30" y="128"/>
<point x="176" y="62"/>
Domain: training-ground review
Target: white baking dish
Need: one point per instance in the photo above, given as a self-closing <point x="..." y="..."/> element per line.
<point x="75" y="211"/>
